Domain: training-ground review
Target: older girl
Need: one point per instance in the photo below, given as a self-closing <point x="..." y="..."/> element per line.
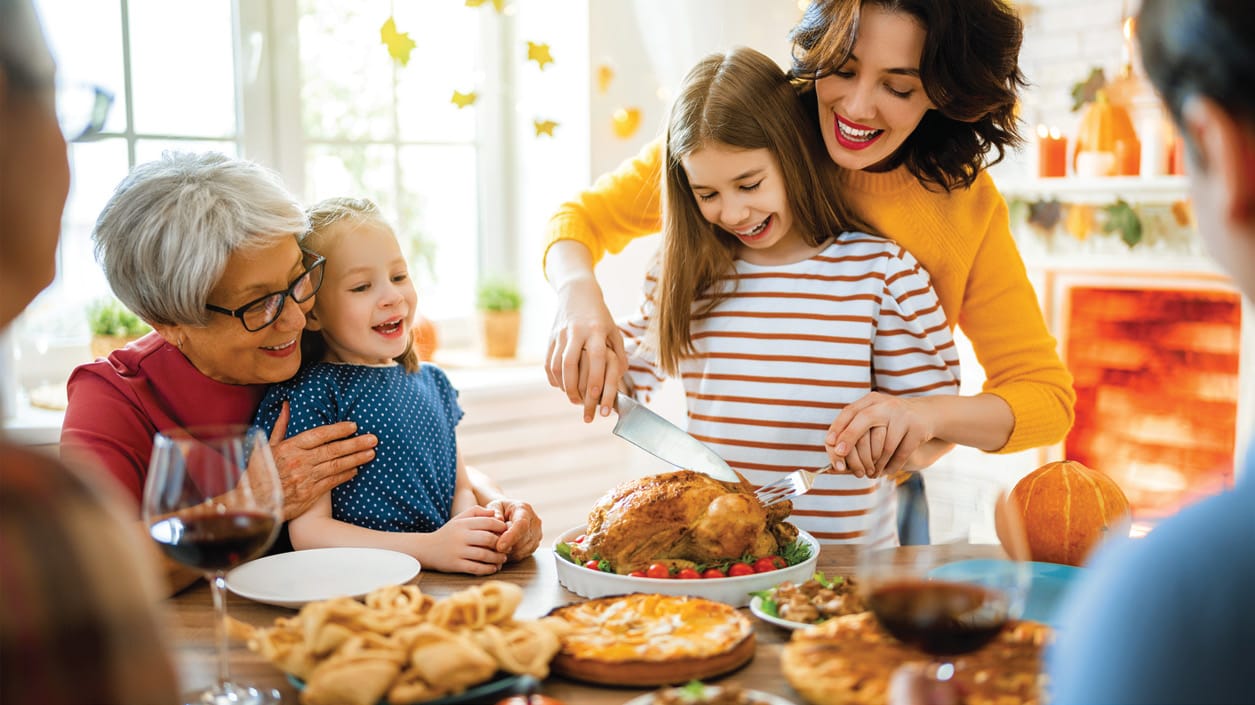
<point x="772" y="311"/>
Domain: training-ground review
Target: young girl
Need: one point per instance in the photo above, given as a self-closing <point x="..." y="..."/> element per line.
<point x="773" y="312"/>
<point x="415" y="496"/>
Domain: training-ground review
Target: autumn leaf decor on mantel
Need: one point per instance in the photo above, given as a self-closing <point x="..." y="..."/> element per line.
<point x="1163" y="227"/>
<point x="1123" y="219"/>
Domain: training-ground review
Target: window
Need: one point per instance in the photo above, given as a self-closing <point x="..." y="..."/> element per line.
<point x="306" y="87"/>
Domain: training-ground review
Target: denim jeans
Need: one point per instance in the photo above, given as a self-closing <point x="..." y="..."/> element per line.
<point x="913" y="512"/>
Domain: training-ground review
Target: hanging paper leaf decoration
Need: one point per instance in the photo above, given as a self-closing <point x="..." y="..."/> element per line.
<point x="625" y="122"/>
<point x="498" y="5"/>
<point x="544" y="127"/>
<point x="605" y="74"/>
<point x="539" y="53"/>
<point x="463" y="100"/>
<point x="399" y="43"/>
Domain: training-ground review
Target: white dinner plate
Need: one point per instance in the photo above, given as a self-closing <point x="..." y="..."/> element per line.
<point x="756" y="606"/>
<point x="292" y="579"/>
<point x="757" y="695"/>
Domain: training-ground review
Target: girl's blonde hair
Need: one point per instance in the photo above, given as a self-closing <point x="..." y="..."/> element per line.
<point x="322" y="216"/>
<point x="743" y="100"/>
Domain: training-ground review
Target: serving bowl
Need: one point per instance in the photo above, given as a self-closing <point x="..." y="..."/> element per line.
<point x="734" y="591"/>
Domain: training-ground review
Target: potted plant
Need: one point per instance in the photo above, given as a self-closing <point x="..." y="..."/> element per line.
<point x="499" y="301"/>
<point x="112" y="326"/>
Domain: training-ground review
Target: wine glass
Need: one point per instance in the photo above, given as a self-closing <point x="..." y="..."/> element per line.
<point x="941" y="612"/>
<point x="212" y="501"/>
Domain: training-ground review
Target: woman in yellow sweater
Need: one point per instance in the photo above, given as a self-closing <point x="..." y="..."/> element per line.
<point x="913" y="105"/>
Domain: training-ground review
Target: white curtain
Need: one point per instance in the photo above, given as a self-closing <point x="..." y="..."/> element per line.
<point x="679" y="33"/>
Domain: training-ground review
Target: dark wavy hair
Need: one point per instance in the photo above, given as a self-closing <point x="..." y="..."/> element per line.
<point x="969" y="68"/>
<point x="1203" y="48"/>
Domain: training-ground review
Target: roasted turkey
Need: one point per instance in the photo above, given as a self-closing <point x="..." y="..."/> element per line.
<point x="682" y="516"/>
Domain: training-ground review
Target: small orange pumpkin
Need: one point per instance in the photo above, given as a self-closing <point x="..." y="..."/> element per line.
<point x="1103" y="125"/>
<point x="1067" y="509"/>
<point x="425" y="338"/>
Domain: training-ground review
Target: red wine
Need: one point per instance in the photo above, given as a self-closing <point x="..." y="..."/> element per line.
<point x="213" y="541"/>
<point x="939" y="617"/>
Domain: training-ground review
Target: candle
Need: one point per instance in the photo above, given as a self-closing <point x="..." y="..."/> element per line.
<point x="1128" y="157"/>
<point x="1052" y="153"/>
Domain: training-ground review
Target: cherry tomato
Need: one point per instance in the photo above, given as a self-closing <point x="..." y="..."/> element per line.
<point x="580" y="538"/>
<point x="713" y="573"/>
<point x="688" y="574"/>
<point x="658" y="570"/>
<point x="593" y="565"/>
<point x="637" y="574"/>
<point x="766" y="564"/>
<point x="739" y="568"/>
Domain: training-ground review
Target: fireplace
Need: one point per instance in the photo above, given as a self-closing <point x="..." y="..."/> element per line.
<point x="1156" y="360"/>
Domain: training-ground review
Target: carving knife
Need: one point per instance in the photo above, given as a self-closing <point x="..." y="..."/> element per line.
<point x="661" y="438"/>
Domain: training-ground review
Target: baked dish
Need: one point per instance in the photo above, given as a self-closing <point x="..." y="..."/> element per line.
<point x="849" y="660"/>
<point x="645" y="639"/>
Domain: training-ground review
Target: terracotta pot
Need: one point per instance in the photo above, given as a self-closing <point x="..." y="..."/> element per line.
<point x="501" y="333"/>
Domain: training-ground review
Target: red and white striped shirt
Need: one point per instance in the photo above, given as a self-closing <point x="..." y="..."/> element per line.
<point x="778" y="360"/>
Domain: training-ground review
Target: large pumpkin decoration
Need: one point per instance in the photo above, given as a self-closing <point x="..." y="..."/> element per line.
<point x="1106" y="131"/>
<point x="1067" y="509"/>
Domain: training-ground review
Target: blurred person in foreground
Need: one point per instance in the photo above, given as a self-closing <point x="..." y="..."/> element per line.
<point x="77" y="622"/>
<point x="1167" y="618"/>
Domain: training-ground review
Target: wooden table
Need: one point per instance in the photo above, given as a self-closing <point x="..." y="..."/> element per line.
<point x="192" y="627"/>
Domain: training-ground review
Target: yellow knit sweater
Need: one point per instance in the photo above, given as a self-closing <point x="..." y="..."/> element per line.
<point x="962" y="238"/>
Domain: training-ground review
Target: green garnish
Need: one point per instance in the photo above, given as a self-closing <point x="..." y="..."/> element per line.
<point x="796" y="552"/>
<point x="768" y="603"/>
<point x="694" y="690"/>
<point x="564" y="549"/>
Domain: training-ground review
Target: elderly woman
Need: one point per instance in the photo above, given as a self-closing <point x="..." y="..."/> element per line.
<point x="206" y="250"/>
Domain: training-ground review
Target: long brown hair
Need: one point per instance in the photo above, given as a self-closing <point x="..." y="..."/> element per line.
<point x="743" y="100"/>
<point x="969" y="68"/>
<point x="322" y="216"/>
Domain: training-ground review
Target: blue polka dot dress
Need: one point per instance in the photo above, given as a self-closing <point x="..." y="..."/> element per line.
<point x="409" y="484"/>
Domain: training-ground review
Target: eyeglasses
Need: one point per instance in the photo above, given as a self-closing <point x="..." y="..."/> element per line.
<point x="82" y="110"/>
<point x="261" y="312"/>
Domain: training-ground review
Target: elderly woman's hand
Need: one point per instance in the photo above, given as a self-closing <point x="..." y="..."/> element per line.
<point x="313" y="462"/>
<point x="522" y="534"/>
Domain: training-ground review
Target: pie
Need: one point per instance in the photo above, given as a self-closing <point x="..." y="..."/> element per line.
<point x="645" y="639"/>
<point x="849" y="660"/>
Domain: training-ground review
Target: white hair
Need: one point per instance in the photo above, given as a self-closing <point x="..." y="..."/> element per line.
<point x="166" y="234"/>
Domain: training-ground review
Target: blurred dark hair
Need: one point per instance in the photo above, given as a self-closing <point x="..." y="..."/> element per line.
<point x="1201" y="47"/>
<point x="969" y="68"/>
